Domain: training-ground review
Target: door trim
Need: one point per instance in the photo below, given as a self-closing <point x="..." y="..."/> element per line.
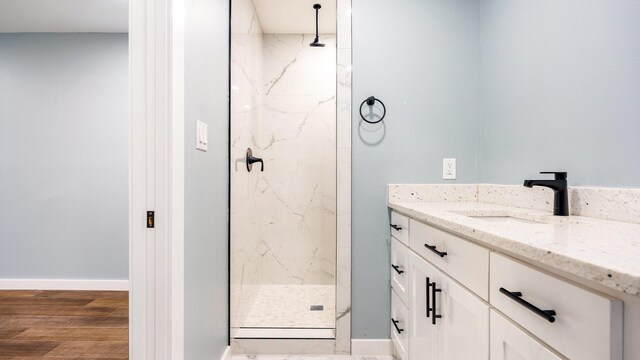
<point x="156" y="179"/>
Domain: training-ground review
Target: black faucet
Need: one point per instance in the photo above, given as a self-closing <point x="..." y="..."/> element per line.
<point x="560" y="192"/>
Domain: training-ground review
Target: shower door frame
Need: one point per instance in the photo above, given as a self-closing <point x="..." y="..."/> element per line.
<point x="342" y="342"/>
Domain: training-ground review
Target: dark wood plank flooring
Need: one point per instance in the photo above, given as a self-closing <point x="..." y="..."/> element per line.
<point x="70" y="325"/>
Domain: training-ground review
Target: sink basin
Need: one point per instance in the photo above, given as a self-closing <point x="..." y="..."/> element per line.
<point x="505" y="220"/>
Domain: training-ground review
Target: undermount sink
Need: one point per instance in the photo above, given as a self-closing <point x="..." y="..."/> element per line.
<point x="505" y="220"/>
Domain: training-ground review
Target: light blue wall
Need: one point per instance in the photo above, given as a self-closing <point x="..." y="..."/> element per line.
<point x="561" y="91"/>
<point x="206" y="179"/>
<point x="63" y="156"/>
<point x="421" y="58"/>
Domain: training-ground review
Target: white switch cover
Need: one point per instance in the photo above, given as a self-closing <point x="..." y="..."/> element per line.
<point x="449" y="169"/>
<point x="201" y="136"/>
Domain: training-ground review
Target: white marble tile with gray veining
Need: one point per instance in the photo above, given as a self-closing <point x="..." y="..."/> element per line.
<point x="343" y="185"/>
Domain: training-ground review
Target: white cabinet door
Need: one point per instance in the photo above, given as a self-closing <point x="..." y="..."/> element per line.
<point x="508" y="342"/>
<point x="423" y="335"/>
<point x="463" y="329"/>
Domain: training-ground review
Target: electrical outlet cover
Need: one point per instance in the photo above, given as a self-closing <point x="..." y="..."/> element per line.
<point x="201" y="136"/>
<point x="449" y="169"/>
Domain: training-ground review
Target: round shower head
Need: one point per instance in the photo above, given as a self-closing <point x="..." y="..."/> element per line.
<point x="316" y="43"/>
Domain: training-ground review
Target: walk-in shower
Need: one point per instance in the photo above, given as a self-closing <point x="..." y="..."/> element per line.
<point x="283" y="219"/>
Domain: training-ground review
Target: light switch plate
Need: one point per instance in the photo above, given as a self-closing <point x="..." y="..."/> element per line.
<point x="449" y="169"/>
<point x="201" y="136"/>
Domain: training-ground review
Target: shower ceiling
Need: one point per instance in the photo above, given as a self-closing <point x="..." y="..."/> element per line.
<point x="295" y="16"/>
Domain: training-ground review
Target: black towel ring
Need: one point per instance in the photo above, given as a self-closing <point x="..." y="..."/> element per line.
<point x="370" y="101"/>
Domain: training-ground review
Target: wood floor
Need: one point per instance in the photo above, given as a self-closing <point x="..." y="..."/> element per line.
<point x="64" y="325"/>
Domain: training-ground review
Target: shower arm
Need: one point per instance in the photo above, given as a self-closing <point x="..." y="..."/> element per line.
<point x="316" y="42"/>
<point x="317" y="21"/>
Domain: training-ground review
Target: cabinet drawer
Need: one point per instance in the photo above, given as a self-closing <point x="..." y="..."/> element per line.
<point x="585" y="326"/>
<point x="464" y="261"/>
<point x="399" y="327"/>
<point x="509" y="342"/>
<point x="400" y="270"/>
<point x="400" y="227"/>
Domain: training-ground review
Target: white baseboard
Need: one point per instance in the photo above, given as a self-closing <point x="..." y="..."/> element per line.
<point x="54" y="284"/>
<point x="226" y="355"/>
<point x="371" y="347"/>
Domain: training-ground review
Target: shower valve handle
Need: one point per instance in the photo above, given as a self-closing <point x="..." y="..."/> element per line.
<point x="250" y="159"/>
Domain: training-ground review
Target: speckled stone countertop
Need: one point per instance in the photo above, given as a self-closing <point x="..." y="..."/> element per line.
<point x="603" y="251"/>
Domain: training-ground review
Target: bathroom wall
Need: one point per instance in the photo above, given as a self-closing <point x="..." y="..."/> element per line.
<point x="64" y="156"/>
<point x="421" y="58"/>
<point x="561" y="91"/>
<point x="206" y="324"/>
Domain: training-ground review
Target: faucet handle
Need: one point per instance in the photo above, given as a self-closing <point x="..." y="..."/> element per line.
<point x="559" y="175"/>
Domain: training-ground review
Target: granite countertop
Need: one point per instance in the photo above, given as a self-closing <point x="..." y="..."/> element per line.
<point x="603" y="251"/>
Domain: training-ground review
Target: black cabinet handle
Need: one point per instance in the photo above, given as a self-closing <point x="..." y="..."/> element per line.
<point x="434" y="290"/>
<point x="395" y="324"/>
<point x="427" y="295"/>
<point x="549" y="315"/>
<point x="397" y="227"/>
<point x="397" y="269"/>
<point x="433" y="248"/>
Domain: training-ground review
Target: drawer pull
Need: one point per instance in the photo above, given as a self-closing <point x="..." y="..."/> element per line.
<point x="427" y="296"/>
<point x="397" y="227"/>
<point x="433" y="248"/>
<point x="516" y="296"/>
<point x="397" y="269"/>
<point x="434" y="290"/>
<point x="395" y="324"/>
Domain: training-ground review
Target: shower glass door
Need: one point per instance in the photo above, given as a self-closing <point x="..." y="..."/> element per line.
<point x="283" y="170"/>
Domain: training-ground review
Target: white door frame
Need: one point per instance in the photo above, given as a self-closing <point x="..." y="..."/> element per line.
<point x="156" y="179"/>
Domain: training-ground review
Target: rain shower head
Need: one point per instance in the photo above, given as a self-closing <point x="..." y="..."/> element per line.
<point x="316" y="42"/>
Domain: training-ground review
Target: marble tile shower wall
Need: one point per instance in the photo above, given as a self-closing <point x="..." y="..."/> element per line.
<point x="246" y="105"/>
<point x="297" y="138"/>
<point x="284" y="108"/>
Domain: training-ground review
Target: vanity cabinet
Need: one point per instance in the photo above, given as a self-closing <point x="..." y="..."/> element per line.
<point x="455" y="299"/>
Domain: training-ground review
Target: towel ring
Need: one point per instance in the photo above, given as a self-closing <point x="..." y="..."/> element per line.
<point x="370" y="101"/>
